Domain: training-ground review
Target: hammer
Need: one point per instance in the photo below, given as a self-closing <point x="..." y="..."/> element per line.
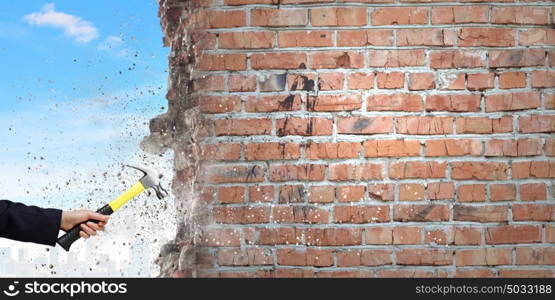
<point x="151" y="179"/>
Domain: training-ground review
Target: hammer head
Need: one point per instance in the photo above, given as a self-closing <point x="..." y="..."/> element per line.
<point x="151" y="179"/>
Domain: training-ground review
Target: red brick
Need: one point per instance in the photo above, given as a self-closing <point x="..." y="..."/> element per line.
<point x="536" y="36"/>
<point x="533" y="169"/>
<point x="394" y="102"/>
<point x="468" y="236"/>
<point x="424" y="125"/>
<point x="473" y="273"/>
<point x="543" y="79"/>
<point x="234" y="174"/>
<point x="350" y="193"/>
<point x="231" y="194"/>
<point x="411" y="192"/>
<point x="425" y="37"/>
<point x="450" y="59"/>
<point x="452" y="81"/>
<point x="457" y="103"/>
<point x="223" y="18"/>
<point x="512" y="80"/>
<point x="406" y="235"/>
<point x="246" y="40"/>
<point x="331" y="81"/>
<point x="272" y="151"/>
<point x="533" y="212"/>
<point x="332" y="150"/>
<point x="421" y="213"/>
<point x="459" y="14"/>
<point x="245" y="257"/>
<point x="279" y="236"/>
<point x="525" y="273"/>
<point x="513" y="234"/>
<point x="343" y="102"/>
<point x="390" y="80"/>
<point x="490" y="213"/>
<point x="374" y="257"/>
<point x="453" y="147"/>
<point x="365" y="37"/>
<point x="301" y="82"/>
<point x="483" y="125"/>
<point x="339" y="16"/>
<point x="320" y="38"/>
<point x="337" y="59"/>
<point x="360" y="81"/>
<point x="365" y="171"/>
<point x="472" y="193"/>
<point x="221" y="151"/>
<point x="399" y="15"/>
<point x="440" y="236"/>
<point x="221" y="238"/>
<point x="512" y="101"/>
<point x="222" y="62"/>
<point x="421" y="81"/>
<point x="241" y="214"/>
<point x="516" y="58"/>
<point x="490" y="37"/>
<point x="425" y="256"/>
<point x="484" y="257"/>
<point x="303" y="172"/>
<point x="535" y="256"/>
<point x="333" y="236"/>
<point x="383" y="192"/>
<point x="243" y="127"/>
<point x="405" y="273"/>
<point x="378" y="236"/>
<point x="520" y="15"/>
<point x="417" y="169"/>
<point x="279" y="17"/>
<point x="321" y="194"/>
<point x="361" y="214"/>
<point x="536" y="123"/>
<point x="550" y="233"/>
<point x="396" y="58"/>
<point x="212" y="83"/>
<point x="303" y="126"/>
<point x="305" y="257"/>
<point x="364" y="125"/>
<point x="391" y="148"/>
<point x="239" y="83"/>
<point x="479" y="170"/>
<point x="441" y="190"/>
<point x="273" y="103"/>
<point x="549" y="147"/>
<point x="502" y="192"/>
<point x="261" y="193"/>
<point x="299" y="214"/>
<point x="480" y="81"/>
<point x="285" y="60"/>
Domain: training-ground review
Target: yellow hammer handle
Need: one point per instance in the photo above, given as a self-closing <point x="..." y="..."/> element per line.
<point x="131" y="193"/>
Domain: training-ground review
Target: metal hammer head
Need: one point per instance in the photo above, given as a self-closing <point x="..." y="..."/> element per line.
<point x="151" y="179"/>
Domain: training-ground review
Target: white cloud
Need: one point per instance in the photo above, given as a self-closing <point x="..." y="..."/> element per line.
<point x="114" y="44"/>
<point x="75" y="27"/>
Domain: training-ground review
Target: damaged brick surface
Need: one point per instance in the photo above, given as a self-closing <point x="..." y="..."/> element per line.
<point x="360" y="139"/>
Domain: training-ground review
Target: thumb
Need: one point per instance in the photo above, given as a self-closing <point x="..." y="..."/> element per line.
<point x="99" y="217"/>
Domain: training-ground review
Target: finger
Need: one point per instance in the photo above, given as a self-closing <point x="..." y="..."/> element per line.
<point x="96" y="216"/>
<point x="83" y="235"/>
<point x="101" y="224"/>
<point x="94" y="226"/>
<point x="88" y="230"/>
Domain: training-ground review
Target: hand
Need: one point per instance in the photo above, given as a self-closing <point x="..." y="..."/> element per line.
<point x="72" y="218"/>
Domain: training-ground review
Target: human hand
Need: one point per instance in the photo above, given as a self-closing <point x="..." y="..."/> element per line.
<point x="74" y="217"/>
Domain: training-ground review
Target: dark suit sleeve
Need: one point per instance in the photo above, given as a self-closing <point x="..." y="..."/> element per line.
<point x="29" y="223"/>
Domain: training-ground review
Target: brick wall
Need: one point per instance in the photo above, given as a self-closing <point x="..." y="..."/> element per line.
<point x="368" y="138"/>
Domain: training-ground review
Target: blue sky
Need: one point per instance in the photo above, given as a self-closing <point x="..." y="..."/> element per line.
<point x="79" y="81"/>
